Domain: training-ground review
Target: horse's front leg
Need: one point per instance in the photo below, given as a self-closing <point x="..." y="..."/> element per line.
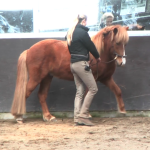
<point x="118" y="94"/>
<point x="42" y="94"/>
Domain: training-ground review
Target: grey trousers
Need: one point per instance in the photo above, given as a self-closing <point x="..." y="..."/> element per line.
<point x="83" y="79"/>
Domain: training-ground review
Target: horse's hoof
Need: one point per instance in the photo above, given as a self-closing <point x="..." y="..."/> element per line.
<point x="45" y="119"/>
<point x="52" y="119"/>
<point x="90" y="116"/>
<point x="122" y="112"/>
<point x="19" y="120"/>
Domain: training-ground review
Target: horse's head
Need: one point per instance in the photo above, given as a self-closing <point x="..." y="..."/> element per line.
<point x="111" y="41"/>
<point x="119" y="40"/>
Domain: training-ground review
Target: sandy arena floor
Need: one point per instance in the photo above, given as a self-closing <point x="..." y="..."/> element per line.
<point x="107" y="134"/>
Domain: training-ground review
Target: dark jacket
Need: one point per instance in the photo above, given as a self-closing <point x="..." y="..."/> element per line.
<point x="81" y="45"/>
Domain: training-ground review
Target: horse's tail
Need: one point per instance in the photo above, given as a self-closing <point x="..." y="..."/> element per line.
<point x="19" y="101"/>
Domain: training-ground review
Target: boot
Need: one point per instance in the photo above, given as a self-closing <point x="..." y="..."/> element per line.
<point x="85" y="121"/>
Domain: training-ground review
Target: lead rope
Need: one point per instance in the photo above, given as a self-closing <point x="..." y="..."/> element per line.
<point x="97" y="68"/>
<point x="102" y="62"/>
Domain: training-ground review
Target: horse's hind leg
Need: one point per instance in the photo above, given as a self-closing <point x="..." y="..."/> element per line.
<point x="118" y="94"/>
<point x="43" y="91"/>
<point x="31" y="85"/>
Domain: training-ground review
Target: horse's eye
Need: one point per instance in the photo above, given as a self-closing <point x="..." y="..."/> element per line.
<point x="117" y="43"/>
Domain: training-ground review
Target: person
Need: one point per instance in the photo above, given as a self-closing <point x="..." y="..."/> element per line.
<point x="134" y="27"/>
<point x="116" y="12"/>
<point x="106" y="20"/>
<point x="79" y="45"/>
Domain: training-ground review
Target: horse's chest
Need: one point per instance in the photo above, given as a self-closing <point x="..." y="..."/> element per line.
<point x="106" y="72"/>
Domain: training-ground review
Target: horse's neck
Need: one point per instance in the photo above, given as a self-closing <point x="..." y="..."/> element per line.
<point x="106" y="55"/>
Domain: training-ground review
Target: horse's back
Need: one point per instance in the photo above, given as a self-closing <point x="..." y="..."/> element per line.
<point x="49" y="55"/>
<point x="49" y="43"/>
<point x="47" y="47"/>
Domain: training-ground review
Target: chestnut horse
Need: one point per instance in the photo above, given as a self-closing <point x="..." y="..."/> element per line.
<point x="51" y="58"/>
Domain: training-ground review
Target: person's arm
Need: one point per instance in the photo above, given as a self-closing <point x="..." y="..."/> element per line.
<point x="86" y="40"/>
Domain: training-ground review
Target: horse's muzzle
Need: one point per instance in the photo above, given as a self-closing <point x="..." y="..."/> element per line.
<point x="120" y="62"/>
<point x="121" y="59"/>
<point x="121" y="56"/>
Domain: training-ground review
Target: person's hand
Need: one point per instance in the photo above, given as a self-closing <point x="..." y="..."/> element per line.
<point x="98" y="60"/>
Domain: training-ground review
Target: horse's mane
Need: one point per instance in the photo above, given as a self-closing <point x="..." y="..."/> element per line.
<point x="120" y="36"/>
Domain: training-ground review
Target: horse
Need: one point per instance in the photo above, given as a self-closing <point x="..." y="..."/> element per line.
<point x="44" y="60"/>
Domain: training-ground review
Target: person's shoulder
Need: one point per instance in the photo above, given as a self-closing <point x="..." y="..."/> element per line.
<point x="82" y="28"/>
<point x="84" y="34"/>
<point x="80" y="32"/>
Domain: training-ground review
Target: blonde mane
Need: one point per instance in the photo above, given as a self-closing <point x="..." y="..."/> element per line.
<point x="121" y="36"/>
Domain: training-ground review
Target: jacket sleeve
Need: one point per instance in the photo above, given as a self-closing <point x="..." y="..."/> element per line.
<point x="86" y="40"/>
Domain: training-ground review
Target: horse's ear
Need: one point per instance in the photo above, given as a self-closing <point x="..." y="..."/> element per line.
<point x="115" y="31"/>
<point x="127" y="28"/>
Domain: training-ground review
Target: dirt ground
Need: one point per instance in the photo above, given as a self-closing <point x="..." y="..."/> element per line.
<point x="107" y="134"/>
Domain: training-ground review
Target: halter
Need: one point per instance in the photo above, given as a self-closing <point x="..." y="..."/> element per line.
<point x="124" y="56"/>
<point x="106" y="62"/>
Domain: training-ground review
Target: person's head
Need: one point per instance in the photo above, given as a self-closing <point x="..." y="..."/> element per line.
<point x="81" y="19"/>
<point x="107" y="19"/>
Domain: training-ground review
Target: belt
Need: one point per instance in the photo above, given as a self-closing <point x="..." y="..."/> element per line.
<point x="80" y="55"/>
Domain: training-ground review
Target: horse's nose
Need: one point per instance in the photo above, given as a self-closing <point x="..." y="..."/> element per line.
<point x="122" y="64"/>
<point x="123" y="61"/>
